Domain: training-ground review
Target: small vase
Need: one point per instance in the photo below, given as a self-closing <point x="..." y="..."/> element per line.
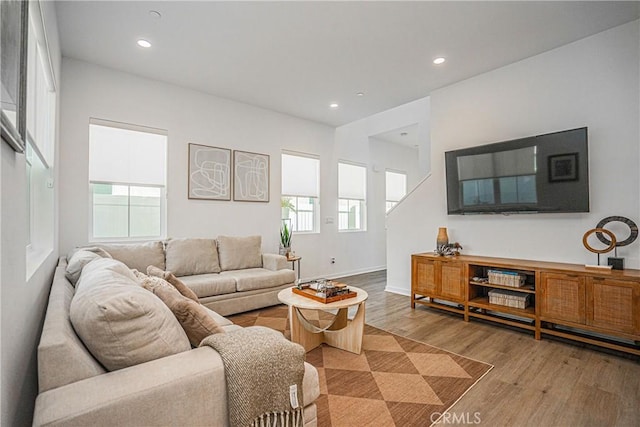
<point x="443" y="238"/>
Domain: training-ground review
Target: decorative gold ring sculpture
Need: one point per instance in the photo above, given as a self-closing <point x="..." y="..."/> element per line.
<point x="612" y="243"/>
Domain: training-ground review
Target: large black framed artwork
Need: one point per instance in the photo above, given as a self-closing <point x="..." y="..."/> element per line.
<point x="13" y="75"/>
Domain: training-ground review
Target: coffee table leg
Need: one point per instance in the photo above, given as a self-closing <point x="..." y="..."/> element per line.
<point x="302" y="332"/>
<point x="348" y="338"/>
<point x="342" y="333"/>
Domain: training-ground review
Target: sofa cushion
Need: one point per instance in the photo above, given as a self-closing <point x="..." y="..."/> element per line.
<point x="62" y="357"/>
<point x="185" y="257"/>
<point x="236" y="253"/>
<point x="119" y="322"/>
<point x="193" y="317"/>
<point x="259" y="278"/>
<point x="105" y="271"/>
<point x="137" y="255"/>
<point x="220" y="320"/>
<point x="81" y="258"/>
<point x="171" y="278"/>
<point x="207" y="285"/>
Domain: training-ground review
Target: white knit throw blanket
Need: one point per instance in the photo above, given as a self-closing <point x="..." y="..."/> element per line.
<point x="260" y="366"/>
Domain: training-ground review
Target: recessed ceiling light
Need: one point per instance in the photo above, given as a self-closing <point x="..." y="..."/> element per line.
<point x="155" y="14"/>
<point x="334" y="105"/>
<point x="360" y="94"/>
<point x="144" y="43"/>
<point x="439" y="60"/>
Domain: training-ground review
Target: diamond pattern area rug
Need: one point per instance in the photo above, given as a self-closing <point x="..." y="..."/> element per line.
<point x="395" y="381"/>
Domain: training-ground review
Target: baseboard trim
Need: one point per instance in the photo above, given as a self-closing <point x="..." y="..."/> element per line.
<point x="355" y="272"/>
<point x="333" y="276"/>
<point x="399" y="291"/>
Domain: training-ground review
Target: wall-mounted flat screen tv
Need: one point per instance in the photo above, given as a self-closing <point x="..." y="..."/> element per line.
<point x="544" y="173"/>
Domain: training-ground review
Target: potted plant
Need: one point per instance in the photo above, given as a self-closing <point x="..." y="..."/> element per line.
<point x="285" y="238"/>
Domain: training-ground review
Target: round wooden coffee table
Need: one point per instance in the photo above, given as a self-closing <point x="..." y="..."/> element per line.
<point x="342" y="333"/>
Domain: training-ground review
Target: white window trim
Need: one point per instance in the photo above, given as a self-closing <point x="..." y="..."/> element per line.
<point x="164" y="190"/>
<point x="316" y="219"/>
<point x="317" y="223"/>
<point x="36" y="255"/>
<point x="163" y="217"/>
<point x="406" y="189"/>
<point x="364" y="207"/>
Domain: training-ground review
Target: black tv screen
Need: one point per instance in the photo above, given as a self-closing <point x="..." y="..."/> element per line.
<point x="544" y="173"/>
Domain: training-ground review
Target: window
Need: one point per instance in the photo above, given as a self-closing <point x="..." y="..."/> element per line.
<point x="301" y="191"/>
<point x="352" y="190"/>
<point x="396" y="188"/>
<point x="40" y="144"/>
<point x="127" y="181"/>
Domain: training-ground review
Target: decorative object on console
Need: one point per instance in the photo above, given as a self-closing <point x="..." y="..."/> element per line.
<point x="449" y="249"/>
<point x="443" y="247"/>
<point x="209" y="173"/>
<point x="615" y="262"/>
<point x="443" y="237"/>
<point x="250" y="176"/>
<point x="590" y="248"/>
<point x="442" y="242"/>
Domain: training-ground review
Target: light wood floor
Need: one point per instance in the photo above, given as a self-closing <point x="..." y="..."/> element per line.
<point x="534" y="383"/>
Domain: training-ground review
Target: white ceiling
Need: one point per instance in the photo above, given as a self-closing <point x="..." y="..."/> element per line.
<point x="298" y="57"/>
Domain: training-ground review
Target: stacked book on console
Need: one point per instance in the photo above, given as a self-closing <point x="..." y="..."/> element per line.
<point x="506" y="278"/>
<point x="509" y="298"/>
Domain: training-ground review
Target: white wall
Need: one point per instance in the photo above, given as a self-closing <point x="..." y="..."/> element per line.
<point x="23" y="300"/>
<point x="191" y="116"/>
<point x="593" y="82"/>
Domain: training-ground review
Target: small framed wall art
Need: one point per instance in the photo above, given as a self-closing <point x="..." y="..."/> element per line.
<point x="563" y="167"/>
<point x="209" y="173"/>
<point x="250" y="176"/>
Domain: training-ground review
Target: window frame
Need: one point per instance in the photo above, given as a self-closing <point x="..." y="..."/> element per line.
<point x="316" y="204"/>
<point x="163" y="189"/>
<point x="362" y="202"/>
<point x="386" y="199"/>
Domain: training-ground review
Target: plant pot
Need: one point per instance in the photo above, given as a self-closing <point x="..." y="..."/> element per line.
<point x="284" y="250"/>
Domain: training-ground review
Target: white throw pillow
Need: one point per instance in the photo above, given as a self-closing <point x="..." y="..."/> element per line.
<point x="119" y="322"/>
<point x="238" y="253"/>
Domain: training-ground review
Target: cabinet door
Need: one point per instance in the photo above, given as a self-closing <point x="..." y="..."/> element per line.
<point x="452" y="281"/>
<point x="424" y="277"/>
<point x="563" y="297"/>
<point x="614" y="305"/>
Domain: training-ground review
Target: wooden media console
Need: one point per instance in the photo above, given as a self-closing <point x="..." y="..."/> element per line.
<point x="600" y="307"/>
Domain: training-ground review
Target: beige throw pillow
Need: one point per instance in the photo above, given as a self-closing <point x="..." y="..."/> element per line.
<point x="79" y="259"/>
<point x="187" y="257"/>
<point x="137" y="255"/>
<point x="120" y="323"/>
<point x="173" y="280"/>
<point x="238" y="253"/>
<point x="193" y="317"/>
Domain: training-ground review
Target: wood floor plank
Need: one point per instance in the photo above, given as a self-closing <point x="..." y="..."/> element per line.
<point x="552" y="382"/>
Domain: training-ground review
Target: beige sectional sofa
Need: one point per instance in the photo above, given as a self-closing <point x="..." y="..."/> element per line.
<point x="229" y="274"/>
<point x="185" y="386"/>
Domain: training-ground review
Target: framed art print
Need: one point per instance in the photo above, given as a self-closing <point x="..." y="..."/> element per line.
<point x="250" y="177"/>
<point x="209" y="172"/>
